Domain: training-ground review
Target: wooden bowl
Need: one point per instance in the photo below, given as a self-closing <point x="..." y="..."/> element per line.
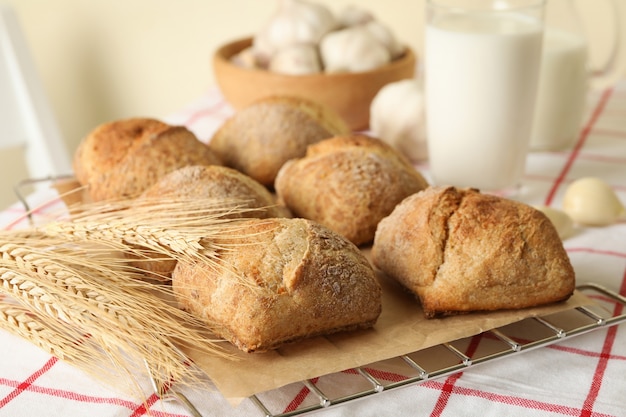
<point x="350" y="94"/>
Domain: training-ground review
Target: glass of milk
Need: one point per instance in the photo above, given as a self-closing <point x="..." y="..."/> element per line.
<point x="481" y="68"/>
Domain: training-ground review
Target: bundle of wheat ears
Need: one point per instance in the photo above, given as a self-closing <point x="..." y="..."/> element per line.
<point x="69" y="288"/>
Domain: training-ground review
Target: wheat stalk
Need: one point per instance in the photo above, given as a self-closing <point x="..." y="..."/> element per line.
<point x="64" y="342"/>
<point x="25" y="323"/>
<point x="69" y="345"/>
<point x="80" y="299"/>
<point x="128" y="322"/>
<point x="190" y="230"/>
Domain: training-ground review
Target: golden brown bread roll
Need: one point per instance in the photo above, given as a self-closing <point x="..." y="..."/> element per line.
<point x="214" y="181"/>
<point x="287" y="279"/>
<point x="459" y="250"/>
<point x="348" y="184"/>
<point x="258" y="139"/>
<point x="209" y="182"/>
<point x="120" y="159"/>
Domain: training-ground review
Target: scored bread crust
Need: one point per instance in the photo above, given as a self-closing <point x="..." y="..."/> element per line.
<point x="348" y="183"/>
<point x="459" y="250"/>
<point x="258" y="139"/>
<point x="283" y="280"/>
<point x="120" y="159"/>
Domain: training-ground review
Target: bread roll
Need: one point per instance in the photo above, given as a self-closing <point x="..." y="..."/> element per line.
<point x="259" y="139"/>
<point x="219" y="182"/>
<point x="284" y="280"/>
<point x="348" y="183"/>
<point x="122" y="158"/>
<point x="459" y="250"/>
<point x="208" y="182"/>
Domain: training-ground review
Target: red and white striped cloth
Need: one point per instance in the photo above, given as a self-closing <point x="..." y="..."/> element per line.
<point x="581" y="376"/>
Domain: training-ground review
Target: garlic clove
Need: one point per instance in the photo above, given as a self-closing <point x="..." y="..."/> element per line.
<point x="298" y="59"/>
<point x="562" y="222"/>
<point x="353" y="49"/>
<point x="591" y="201"/>
<point x="397" y="117"/>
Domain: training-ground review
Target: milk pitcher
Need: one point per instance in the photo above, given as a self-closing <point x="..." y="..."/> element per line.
<point x="565" y="76"/>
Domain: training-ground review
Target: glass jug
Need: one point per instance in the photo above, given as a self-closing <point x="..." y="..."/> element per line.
<point x="565" y="76"/>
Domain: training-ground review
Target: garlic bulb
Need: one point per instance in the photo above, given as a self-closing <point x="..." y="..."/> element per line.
<point x="352" y="41"/>
<point x="353" y="49"/>
<point x="297" y="59"/>
<point x="397" y="117"/>
<point x="593" y="202"/>
<point x="295" y="22"/>
<point x="386" y="37"/>
<point x="354" y="15"/>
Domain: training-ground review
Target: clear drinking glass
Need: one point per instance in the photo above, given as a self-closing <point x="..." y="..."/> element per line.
<point x="480" y="79"/>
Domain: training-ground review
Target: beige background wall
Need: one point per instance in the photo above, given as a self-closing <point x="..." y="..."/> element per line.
<point x="103" y="60"/>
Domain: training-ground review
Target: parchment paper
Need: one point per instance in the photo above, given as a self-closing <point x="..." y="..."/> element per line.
<point x="401" y="329"/>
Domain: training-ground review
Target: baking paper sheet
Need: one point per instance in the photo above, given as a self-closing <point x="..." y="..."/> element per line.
<point x="401" y="329"/>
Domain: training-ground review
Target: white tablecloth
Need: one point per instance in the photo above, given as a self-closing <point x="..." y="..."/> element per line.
<point x="581" y="376"/>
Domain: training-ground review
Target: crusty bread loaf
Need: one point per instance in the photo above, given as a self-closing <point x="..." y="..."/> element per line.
<point x="258" y="139"/>
<point x="285" y="280"/>
<point x="460" y="250"/>
<point x="120" y="159"/>
<point x="209" y="182"/>
<point x="348" y="183"/>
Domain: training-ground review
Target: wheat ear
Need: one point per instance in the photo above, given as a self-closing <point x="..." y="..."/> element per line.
<point x="182" y="227"/>
<point x="70" y="279"/>
<point x="60" y="342"/>
<point x="128" y="322"/>
<point x="189" y="230"/>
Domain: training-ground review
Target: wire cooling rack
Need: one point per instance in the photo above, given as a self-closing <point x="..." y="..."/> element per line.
<point x="449" y="358"/>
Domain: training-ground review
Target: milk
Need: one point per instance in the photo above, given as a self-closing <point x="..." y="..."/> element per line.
<point x="480" y="82"/>
<point x="562" y="91"/>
